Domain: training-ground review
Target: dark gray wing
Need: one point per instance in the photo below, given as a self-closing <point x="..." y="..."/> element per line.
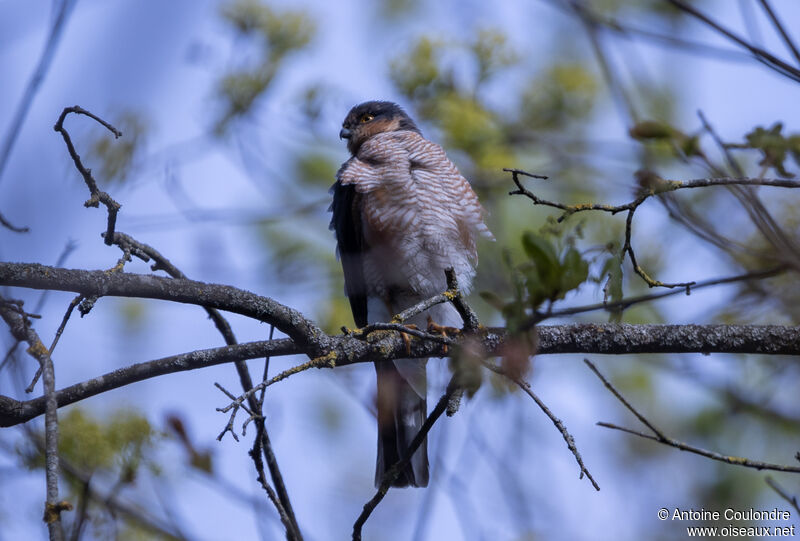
<point x="350" y="246"/>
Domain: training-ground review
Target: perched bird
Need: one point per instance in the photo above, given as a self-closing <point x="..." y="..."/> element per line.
<point x="402" y="214"/>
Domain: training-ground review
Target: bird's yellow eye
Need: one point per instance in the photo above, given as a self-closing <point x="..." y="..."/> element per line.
<point x="366" y="118"/>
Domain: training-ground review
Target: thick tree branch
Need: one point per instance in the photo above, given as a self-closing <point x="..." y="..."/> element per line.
<point x="345" y="349"/>
<point x="100" y="283"/>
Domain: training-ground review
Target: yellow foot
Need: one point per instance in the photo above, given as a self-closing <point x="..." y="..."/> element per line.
<point x="406" y="339"/>
<point x="435" y="328"/>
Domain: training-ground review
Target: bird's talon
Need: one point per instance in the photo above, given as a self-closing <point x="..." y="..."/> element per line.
<point x="444" y="330"/>
<point x="406" y="338"/>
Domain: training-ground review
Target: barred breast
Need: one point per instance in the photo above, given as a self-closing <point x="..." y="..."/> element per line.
<point x="420" y="215"/>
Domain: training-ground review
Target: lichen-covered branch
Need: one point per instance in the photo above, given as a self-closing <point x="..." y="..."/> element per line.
<point x="100" y="283"/>
<point x="346" y="349"/>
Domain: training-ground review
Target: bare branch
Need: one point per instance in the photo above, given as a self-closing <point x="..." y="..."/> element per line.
<point x="237" y="402"/>
<point x="661" y="438"/>
<point x="99" y="283"/>
<point x="781" y="30"/>
<point x="345" y="350"/>
<point x="621" y="398"/>
<point x="59" y="332"/>
<point x="35" y="81"/>
<point x="624" y="304"/>
<point x="96" y="196"/>
<point x="525" y="386"/>
<point x="758" y="53"/>
<point x="160" y="262"/>
<point x="13" y="412"/>
<point x="289" y="523"/>
<point x="625" y="30"/>
<point x="8" y="225"/>
<point x="392" y="473"/>
<point x="773" y="484"/>
<point x="22" y="331"/>
<point x="468" y="316"/>
<point x="660" y="187"/>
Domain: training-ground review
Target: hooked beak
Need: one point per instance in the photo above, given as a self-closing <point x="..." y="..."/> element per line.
<point x="345" y="133"/>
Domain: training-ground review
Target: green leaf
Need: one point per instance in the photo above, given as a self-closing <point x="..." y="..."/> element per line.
<point x="651" y="129"/>
<point x="574" y="271"/>
<point x="774" y="147"/>
<point x="543" y="256"/>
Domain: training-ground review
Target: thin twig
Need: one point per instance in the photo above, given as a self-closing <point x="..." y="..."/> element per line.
<point x="624" y="304"/>
<point x="266" y="367"/>
<point x="661" y="438"/>
<point x="783" y="494"/>
<point x="392" y="473"/>
<point x="758" y="53"/>
<point x="83" y="506"/>
<point x="96" y="195"/>
<point x="781" y="30"/>
<point x="662" y="187"/>
<point x="732" y="163"/>
<point x="525" y="386"/>
<point x="627" y="31"/>
<point x="625" y="403"/>
<point x="35" y="81"/>
<point x="728" y="459"/>
<point x="8" y="225"/>
<point x="237" y="402"/>
<point x="21" y="330"/>
<point x="618" y="93"/>
<point x="292" y="532"/>
<point x="468" y="316"/>
<point x="59" y="332"/>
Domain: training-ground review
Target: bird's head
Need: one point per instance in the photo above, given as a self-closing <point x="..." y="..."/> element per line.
<point x="371" y="118"/>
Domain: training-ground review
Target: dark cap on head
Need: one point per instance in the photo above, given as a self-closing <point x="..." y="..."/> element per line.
<point x="373" y="117"/>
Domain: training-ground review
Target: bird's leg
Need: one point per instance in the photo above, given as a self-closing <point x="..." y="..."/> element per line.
<point x="406" y="339"/>
<point x="444" y="330"/>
